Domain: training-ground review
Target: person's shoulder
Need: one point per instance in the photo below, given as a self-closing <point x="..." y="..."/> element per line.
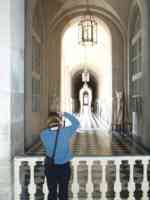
<point x="44" y="132"/>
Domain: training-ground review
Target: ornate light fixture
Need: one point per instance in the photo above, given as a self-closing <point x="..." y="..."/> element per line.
<point x="87" y="29"/>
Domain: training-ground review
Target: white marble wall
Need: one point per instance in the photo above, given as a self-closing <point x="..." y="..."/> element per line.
<point x="11" y="89"/>
<point x="17" y="76"/>
<point x="5" y="98"/>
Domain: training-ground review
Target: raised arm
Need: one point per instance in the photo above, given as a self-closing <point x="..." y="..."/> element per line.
<point x="74" y="123"/>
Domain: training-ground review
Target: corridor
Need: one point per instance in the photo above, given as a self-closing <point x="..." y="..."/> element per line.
<point x="55" y="56"/>
<point x="94" y="143"/>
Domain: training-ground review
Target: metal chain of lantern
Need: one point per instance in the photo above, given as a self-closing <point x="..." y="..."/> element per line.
<point x="87" y="35"/>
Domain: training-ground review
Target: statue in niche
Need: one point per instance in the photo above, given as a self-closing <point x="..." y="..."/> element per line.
<point x="119" y="108"/>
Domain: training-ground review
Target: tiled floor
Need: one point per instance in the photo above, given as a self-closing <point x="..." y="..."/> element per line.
<point x="96" y="143"/>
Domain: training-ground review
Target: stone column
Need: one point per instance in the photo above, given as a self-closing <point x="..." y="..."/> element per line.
<point x="11" y="90"/>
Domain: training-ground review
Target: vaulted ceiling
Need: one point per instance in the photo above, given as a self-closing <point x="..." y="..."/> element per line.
<point x="120" y="6"/>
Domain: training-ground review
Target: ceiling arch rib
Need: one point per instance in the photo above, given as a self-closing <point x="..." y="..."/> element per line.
<point x="72" y="9"/>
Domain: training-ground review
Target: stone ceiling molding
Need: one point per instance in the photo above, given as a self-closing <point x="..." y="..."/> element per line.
<point x="68" y="4"/>
<point x="76" y="8"/>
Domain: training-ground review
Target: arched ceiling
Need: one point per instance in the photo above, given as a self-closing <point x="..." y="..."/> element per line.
<point x="120" y="7"/>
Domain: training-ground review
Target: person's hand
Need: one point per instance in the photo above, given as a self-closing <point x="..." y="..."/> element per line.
<point x="60" y="114"/>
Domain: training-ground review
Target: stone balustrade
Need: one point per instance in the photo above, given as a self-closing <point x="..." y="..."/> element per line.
<point x="92" y="178"/>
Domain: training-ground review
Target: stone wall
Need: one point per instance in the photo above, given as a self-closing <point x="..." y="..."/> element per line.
<point x="36" y="25"/>
<point x="11" y="90"/>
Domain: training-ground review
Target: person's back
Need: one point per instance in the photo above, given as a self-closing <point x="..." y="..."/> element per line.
<point x="59" y="174"/>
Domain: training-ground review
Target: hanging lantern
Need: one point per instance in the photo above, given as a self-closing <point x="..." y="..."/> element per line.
<point x="87" y="34"/>
<point x="87" y="29"/>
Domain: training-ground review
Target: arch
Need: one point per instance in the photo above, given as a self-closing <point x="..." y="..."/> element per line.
<point x="77" y="84"/>
<point x="78" y="17"/>
<point x="85" y="97"/>
<point x="63" y="18"/>
<point x="103" y="12"/>
<point x="73" y="9"/>
<point x="71" y="69"/>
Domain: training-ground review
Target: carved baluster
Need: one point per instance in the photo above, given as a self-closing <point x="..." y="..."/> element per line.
<point x="124" y="179"/>
<point x="96" y="179"/>
<point x="117" y="186"/>
<point x="148" y="178"/>
<point x="110" y="178"/>
<point x="138" y="179"/>
<point x="145" y="184"/>
<point x="82" y="179"/>
<point x="131" y="180"/>
<point x="70" y="192"/>
<point x="89" y="187"/>
<point x="45" y="189"/>
<point x="75" y="186"/>
<point x="17" y="184"/>
<point x="32" y="187"/>
<point x="24" y="174"/>
<point x="103" y="186"/>
<point x="39" y="180"/>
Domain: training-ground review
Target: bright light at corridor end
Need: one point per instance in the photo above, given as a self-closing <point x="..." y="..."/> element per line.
<point x="98" y="61"/>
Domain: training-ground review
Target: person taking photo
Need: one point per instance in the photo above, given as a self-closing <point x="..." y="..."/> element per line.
<point x="55" y="139"/>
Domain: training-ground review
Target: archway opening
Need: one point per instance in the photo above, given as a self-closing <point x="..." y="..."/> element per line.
<point x="96" y="59"/>
<point x="77" y="84"/>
